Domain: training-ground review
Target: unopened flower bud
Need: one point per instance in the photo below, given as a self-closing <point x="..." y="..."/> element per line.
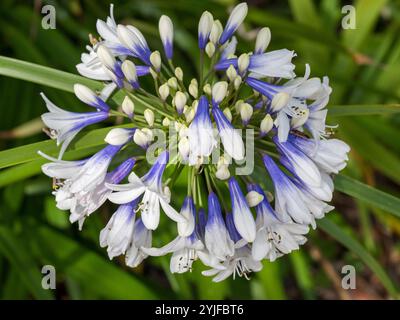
<point x="222" y="173"/>
<point x="128" y="107"/>
<point x="228" y="114"/>
<point x="166" y="30"/>
<point x="219" y="91"/>
<point x="189" y="114"/>
<point x="143" y="137"/>
<point x="163" y="90"/>
<point x="237" y="82"/>
<point x="207" y="89"/>
<point x="149" y="116"/>
<point x="85" y="94"/>
<point x="195" y="103"/>
<point x="204" y="29"/>
<point x="173" y="83"/>
<point x="231" y="73"/>
<point x="118" y="136"/>
<point x="246" y="111"/>
<point x="106" y="57"/>
<point x="243" y="62"/>
<point x="179" y="73"/>
<point x="253" y="198"/>
<point x="279" y="100"/>
<point x="238" y="105"/>
<point x="210" y="49"/>
<point x="193" y="90"/>
<point x="129" y="71"/>
<point x="262" y="41"/>
<point x="180" y="101"/>
<point x="166" y="122"/>
<point x="155" y="59"/>
<point x="266" y="124"/>
<point x="216" y="31"/>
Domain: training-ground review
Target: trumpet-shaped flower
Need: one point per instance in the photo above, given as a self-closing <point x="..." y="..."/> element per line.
<point x="201" y="133"/>
<point x="150" y="189"/>
<point x="65" y="125"/>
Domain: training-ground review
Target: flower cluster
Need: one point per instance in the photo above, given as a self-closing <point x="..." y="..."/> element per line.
<point x="229" y="221"/>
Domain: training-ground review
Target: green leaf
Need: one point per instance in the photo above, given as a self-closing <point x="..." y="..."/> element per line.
<point x="29" y="153"/>
<point x="371" y="149"/>
<point x="43" y="75"/>
<point x="21" y="259"/>
<point x="368" y="194"/>
<point x="339" y="235"/>
<point x="362" y="109"/>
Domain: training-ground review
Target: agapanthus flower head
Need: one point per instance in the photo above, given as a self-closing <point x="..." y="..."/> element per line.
<point x="244" y="110"/>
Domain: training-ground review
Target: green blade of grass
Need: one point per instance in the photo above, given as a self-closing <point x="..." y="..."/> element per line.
<point x="368" y="194"/>
<point x="354" y="246"/>
<point x="363" y="109"/>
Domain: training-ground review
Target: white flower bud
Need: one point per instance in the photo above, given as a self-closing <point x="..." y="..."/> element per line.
<point x="106" y="57"/>
<point x="219" y="91"/>
<point x="155" y="59"/>
<point x="184" y="148"/>
<point x="163" y="90"/>
<point x="222" y="173"/>
<point x="143" y="137"/>
<point x="166" y="30"/>
<point x="85" y="94"/>
<point x="231" y="73"/>
<point x="173" y="83"/>
<point x="195" y="103"/>
<point x="207" y="89"/>
<point x="149" y="116"/>
<point x="246" y="111"/>
<point x="266" y="124"/>
<point x="237" y="82"/>
<point x="253" y="198"/>
<point x="128" y="107"/>
<point x="179" y="73"/>
<point x="228" y="114"/>
<point x="301" y="119"/>
<point x="205" y="25"/>
<point x="279" y="101"/>
<point x="189" y="114"/>
<point x="193" y="90"/>
<point x="129" y="71"/>
<point x="238" y="105"/>
<point x="118" y="136"/>
<point x="210" y="49"/>
<point x="262" y="41"/>
<point x="166" y="122"/>
<point x="216" y="31"/>
<point x="243" y="62"/>
<point x="180" y="101"/>
<point x="149" y="133"/>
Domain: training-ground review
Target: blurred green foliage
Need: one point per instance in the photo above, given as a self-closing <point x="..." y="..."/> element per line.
<point x="364" y="70"/>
